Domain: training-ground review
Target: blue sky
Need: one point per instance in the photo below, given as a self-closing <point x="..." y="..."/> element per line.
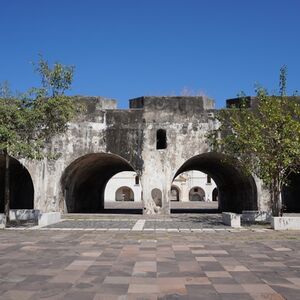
<point x="128" y="48"/>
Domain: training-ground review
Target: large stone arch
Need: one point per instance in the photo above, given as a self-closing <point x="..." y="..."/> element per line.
<point x="21" y="185"/>
<point x="84" y="180"/>
<point x="237" y="191"/>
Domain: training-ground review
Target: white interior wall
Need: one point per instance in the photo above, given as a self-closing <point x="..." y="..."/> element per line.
<point x="185" y="182"/>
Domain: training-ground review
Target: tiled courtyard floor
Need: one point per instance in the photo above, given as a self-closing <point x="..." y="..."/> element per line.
<point x="179" y="221"/>
<point x="173" y="222"/>
<point x="58" y="264"/>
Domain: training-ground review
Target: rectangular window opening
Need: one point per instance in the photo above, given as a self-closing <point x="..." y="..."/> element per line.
<point x="161" y="139"/>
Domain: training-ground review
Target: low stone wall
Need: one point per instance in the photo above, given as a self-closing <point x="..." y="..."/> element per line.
<point x="285" y="223"/>
<point x="43" y="219"/>
<point x="2" y="221"/>
<point x="256" y="216"/>
<point x="231" y="219"/>
<point x="49" y="218"/>
<point x="24" y="214"/>
<point x="21" y="215"/>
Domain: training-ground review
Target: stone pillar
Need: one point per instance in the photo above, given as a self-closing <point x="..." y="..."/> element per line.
<point x="263" y="196"/>
<point x="156" y="192"/>
<point x="46" y="176"/>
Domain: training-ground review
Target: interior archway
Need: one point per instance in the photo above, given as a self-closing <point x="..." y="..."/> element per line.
<point x="21" y="186"/>
<point x="196" y="194"/>
<point x="85" y="179"/>
<point x="175" y="193"/>
<point x="124" y="193"/>
<point x="215" y="194"/>
<point x="236" y="191"/>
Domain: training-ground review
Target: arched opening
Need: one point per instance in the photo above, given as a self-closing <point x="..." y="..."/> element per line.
<point x="215" y="194"/>
<point x="175" y="193"/>
<point x="21" y="186"/>
<point x="124" y="193"/>
<point x="291" y="195"/>
<point x="196" y="194"/>
<point x="157" y="197"/>
<point x="236" y="191"/>
<point x="84" y="182"/>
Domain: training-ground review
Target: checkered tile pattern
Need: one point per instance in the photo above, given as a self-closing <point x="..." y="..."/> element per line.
<point x="149" y="265"/>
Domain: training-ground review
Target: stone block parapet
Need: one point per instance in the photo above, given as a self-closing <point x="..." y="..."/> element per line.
<point x="285" y="223"/>
<point x="2" y="221"/>
<point x="24" y="214"/>
<point x="231" y="219"/>
<point x="256" y="216"/>
<point x="49" y="218"/>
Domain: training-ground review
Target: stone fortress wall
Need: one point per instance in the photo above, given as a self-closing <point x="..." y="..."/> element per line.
<point x="158" y="138"/>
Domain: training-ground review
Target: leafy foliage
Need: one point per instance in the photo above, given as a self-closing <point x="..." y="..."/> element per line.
<point x="265" y="138"/>
<point x="27" y="123"/>
<point x="55" y="80"/>
<point x="5" y="91"/>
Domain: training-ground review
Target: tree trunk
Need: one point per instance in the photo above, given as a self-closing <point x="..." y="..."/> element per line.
<point x="276" y="199"/>
<point x="6" y="188"/>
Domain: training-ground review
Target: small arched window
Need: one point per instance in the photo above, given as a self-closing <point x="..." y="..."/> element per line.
<point x="161" y="139"/>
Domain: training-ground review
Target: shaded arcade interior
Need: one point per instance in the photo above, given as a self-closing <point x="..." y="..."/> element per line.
<point x="291" y="195"/>
<point x="21" y="186"/>
<point x="235" y="191"/>
<point x="84" y="182"/>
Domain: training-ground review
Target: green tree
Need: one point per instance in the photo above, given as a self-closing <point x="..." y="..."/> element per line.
<point x="27" y="123"/>
<point x="55" y="80"/>
<point x="5" y="91"/>
<point x="264" y="138"/>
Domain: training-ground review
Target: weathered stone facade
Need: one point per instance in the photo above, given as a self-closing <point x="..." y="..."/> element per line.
<point x="105" y="140"/>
